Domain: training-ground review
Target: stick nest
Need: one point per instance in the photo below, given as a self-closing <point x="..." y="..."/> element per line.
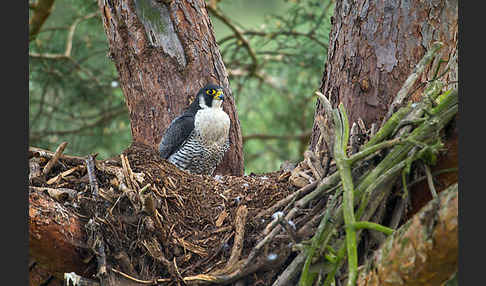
<point x="160" y="222"/>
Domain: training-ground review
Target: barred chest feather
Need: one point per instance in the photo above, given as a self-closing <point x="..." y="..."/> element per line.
<point x="207" y="144"/>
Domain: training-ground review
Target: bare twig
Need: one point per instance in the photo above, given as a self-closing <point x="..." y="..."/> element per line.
<point x="291" y="271"/>
<point x="129" y="177"/>
<point x="430" y="181"/>
<point x="285" y="201"/>
<point x="54" y="159"/>
<point x="69" y="41"/>
<point x="238" y="33"/>
<point x="272" y="35"/>
<point x="240" y="220"/>
<point x="148" y="282"/>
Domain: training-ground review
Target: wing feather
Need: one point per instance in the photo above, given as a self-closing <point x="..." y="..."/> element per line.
<point x="179" y="129"/>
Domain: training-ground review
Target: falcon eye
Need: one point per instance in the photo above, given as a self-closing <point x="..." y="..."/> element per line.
<point x="210" y="92"/>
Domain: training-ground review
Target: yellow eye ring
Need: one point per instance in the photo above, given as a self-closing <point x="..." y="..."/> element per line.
<point x="210" y="92"/>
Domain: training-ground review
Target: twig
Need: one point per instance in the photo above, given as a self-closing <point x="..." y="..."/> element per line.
<point x="65" y="174"/>
<point x="337" y="263"/>
<point x="374" y="226"/>
<point x="69" y="41"/>
<point x="240" y="221"/>
<point x="148" y="282"/>
<point x="418" y="180"/>
<point x="290" y="229"/>
<point x="90" y="167"/>
<point x="283" y="202"/>
<point x="238" y="33"/>
<point x="254" y="252"/>
<point x="327" y="123"/>
<point x="127" y="170"/>
<point x="373" y="129"/>
<point x="38" y="152"/>
<point x="389" y="127"/>
<point x="54" y="159"/>
<point x="372" y="149"/>
<point x="430" y="181"/>
<point x="398" y="211"/>
<point x="291" y="271"/>
<point x="275" y="34"/>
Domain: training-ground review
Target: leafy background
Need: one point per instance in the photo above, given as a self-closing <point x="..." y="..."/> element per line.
<point x="77" y="98"/>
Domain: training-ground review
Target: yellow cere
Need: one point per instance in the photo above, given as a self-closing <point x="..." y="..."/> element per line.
<point x="218" y="94"/>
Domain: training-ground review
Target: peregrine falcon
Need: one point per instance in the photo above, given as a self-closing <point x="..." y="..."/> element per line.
<point x="197" y="140"/>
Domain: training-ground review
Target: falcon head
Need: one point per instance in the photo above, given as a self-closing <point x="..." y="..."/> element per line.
<point x="210" y="96"/>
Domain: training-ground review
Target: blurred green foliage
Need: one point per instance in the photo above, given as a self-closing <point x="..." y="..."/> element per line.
<point x="77" y="99"/>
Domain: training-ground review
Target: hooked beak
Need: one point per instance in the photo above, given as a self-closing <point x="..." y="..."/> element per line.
<point x="219" y="95"/>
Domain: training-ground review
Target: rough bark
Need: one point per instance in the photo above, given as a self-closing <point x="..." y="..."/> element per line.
<point x="374" y="46"/>
<point x="422" y="252"/>
<point x="165" y="51"/>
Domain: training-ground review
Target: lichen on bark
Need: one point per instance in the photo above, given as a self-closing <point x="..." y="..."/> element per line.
<point x="160" y="29"/>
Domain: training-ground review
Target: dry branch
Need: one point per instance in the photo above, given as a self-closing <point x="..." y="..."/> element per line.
<point x="54" y="159"/>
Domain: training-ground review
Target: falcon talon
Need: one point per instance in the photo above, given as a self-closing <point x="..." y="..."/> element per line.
<point x="197" y="140"/>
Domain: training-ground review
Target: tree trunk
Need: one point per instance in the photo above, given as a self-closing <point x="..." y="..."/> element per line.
<point x="165" y="51"/>
<point x="374" y="45"/>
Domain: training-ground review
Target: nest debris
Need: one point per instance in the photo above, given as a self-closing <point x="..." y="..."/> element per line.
<point x="150" y="215"/>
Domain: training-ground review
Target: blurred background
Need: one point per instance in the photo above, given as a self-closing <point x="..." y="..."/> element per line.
<point x="74" y="94"/>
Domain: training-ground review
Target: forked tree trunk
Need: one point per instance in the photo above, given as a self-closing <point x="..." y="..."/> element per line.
<point x="165" y="51"/>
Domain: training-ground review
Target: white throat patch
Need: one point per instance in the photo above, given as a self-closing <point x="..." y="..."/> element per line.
<point x="212" y="123"/>
<point x="216" y="103"/>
